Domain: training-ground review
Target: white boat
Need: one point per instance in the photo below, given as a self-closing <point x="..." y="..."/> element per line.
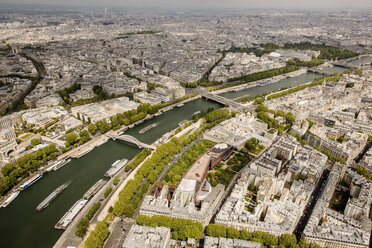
<point x="69" y="216"/>
<point x="10" y="199"/>
<point x="31" y="181"/>
<point x="180" y="105"/>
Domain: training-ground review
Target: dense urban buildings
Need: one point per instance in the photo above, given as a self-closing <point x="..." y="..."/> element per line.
<point x="236" y="128"/>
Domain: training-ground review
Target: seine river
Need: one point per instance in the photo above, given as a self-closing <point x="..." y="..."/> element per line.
<point x="284" y="83"/>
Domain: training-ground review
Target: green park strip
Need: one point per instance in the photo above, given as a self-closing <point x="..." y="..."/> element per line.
<point x="98" y="236"/>
<point x="137" y="159"/>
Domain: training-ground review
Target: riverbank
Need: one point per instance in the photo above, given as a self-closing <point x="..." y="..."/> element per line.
<point x="256" y="83"/>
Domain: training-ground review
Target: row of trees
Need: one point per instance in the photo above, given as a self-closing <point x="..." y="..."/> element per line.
<point x="264" y="74"/>
<point x="181" y="229"/>
<point x="73" y="139"/>
<point x="137" y="159"/>
<point x="98" y="236"/>
<point x="25" y="165"/>
<point x="317" y="81"/>
<point x="83" y="224"/>
<point x="312" y="63"/>
<point x="175" y="173"/>
<point x="266" y="239"/>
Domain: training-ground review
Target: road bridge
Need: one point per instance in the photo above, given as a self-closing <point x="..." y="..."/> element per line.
<point x="132" y="140"/>
<point x="220" y="99"/>
<point x="343" y="64"/>
<point x="317" y="71"/>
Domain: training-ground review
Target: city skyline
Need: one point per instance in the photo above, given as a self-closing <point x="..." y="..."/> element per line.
<point x="212" y="4"/>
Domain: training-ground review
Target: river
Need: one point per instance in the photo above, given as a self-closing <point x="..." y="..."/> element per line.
<point x="283" y="83"/>
<point x="22" y="226"/>
<point x="361" y="61"/>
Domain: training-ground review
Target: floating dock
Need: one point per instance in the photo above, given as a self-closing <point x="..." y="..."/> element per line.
<point x="118" y="165"/>
<point x="69" y="216"/>
<point x="45" y="203"/>
<point x="84" y="152"/>
<point x="94" y="189"/>
<point x="10" y="199"/>
<point x="103" y="142"/>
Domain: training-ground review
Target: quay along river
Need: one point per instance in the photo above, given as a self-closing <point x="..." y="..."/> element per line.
<point x="22" y="226"/>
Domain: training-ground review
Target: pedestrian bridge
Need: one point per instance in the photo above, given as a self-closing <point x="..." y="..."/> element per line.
<point x="132" y="140"/>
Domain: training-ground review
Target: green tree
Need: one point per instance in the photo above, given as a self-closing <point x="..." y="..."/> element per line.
<point x="35" y="142"/>
<point x="303" y="243"/>
<point x="71" y="138"/>
<point x="84" y="136"/>
<point x="82" y="227"/>
<point x="93" y="210"/>
<point x="7" y="169"/>
<point x="98" y="236"/>
<point x="288" y="241"/>
<point x="92" y="128"/>
<point x="245" y="235"/>
<point x="116" y="180"/>
<point x="232" y="233"/>
<point x="108" y="192"/>
<point x="215" y="230"/>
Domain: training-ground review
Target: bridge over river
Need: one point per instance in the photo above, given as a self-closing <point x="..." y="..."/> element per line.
<point x="223" y="100"/>
<point x="132" y="140"/>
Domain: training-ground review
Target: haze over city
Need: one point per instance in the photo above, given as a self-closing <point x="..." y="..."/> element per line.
<point x="206" y="3"/>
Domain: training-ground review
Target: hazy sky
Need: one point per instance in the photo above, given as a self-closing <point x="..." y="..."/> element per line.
<point x="208" y="3"/>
